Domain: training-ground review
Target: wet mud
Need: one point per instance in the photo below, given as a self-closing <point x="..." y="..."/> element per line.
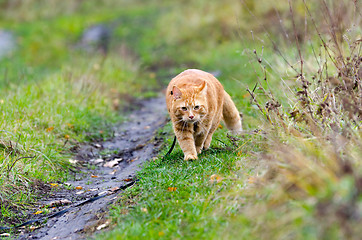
<point x="109" y="165"/>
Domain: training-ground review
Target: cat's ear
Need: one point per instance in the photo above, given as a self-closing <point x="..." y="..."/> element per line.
<point x="176" y="92"/>
<point x="202" y="87"/>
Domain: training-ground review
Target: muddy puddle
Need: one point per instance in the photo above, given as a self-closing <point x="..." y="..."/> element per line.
<point x="109" y="166"/>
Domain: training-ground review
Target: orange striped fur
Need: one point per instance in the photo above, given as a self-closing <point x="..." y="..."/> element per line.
<point x="196" y="102"/>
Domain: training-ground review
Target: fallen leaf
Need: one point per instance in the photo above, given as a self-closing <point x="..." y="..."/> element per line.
<point x="246" y="95"/>
<point x="79" y="187"/>
<point x="171" y="189"/>
<point x="54" y="184"/>
<point x="66" y="136"/>
<point x="32" y="227"/>
<point x="5" y="235"/>
<point x="251" y="179"/>
<point x="220" y="126"/>
<point x="113" y="172"/>
<point x="38" y="212"/>
<point x="128" y="179"/>
<point x="70" y="125"/>
<point x="94" y="176"/>
<point x="215" y="178"/>
<point x="133" y="159"/>
<point x="144" y="210"/>
<point x="147" y="127"/>
<point x="49" y="129"/>
<point x="160" y="234"/>
<point x="114" y="189"/>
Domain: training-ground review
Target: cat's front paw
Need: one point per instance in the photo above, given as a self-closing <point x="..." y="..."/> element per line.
<point x="189" y="157"/>
<point x="206" y="147"/>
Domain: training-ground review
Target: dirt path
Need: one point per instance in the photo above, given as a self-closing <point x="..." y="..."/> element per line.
<point x="133" y="144"/>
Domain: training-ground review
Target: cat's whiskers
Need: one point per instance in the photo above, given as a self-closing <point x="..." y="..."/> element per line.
<point x="181" y="120"/>
<point x="183" y="126"/>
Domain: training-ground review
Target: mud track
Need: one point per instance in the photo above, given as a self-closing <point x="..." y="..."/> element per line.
<point x="134" y="143"/>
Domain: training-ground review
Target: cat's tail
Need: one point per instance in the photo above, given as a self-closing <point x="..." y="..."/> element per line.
<point x="231" y="115"/>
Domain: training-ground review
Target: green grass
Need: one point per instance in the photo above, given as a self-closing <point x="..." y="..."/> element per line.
<point x="176" y="198"/>
<point x="278" y="185"/>
<point x="44" y="120"/>
<point x="54" y="96"/>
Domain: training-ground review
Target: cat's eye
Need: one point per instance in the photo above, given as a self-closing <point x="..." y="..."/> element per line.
<point x="197" y="107"/>
<point x="184" y="108"/>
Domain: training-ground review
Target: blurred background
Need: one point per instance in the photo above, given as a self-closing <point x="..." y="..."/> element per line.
<point x="39" y="37"/>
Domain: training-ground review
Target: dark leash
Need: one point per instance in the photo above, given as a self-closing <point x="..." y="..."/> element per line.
<point x="171" y="148"/>
<point x="60" y="213"/>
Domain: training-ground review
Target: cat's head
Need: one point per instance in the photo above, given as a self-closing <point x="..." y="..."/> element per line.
<point x="189" y="103"/>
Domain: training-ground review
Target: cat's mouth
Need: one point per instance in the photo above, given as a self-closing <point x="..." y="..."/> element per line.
<point x="191" y="120"/>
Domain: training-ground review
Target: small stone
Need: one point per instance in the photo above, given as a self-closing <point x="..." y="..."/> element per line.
<point x="97" y="145"/>
<point x="104" y="225"/>
<point x="99" y="160"/>
<point x="73" y="161"/>
<point x="59" y="203"/>
<point x="113" y="163"/>
<point x="103" y="193"/>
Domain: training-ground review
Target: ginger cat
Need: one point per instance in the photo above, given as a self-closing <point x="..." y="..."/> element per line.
<point x="196" y="102"/>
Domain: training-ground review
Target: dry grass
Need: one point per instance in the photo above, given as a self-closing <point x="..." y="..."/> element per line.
<point x="309" y="182"/>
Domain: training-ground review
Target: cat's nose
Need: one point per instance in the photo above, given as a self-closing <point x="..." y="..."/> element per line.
<point x="191" y="117"/>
